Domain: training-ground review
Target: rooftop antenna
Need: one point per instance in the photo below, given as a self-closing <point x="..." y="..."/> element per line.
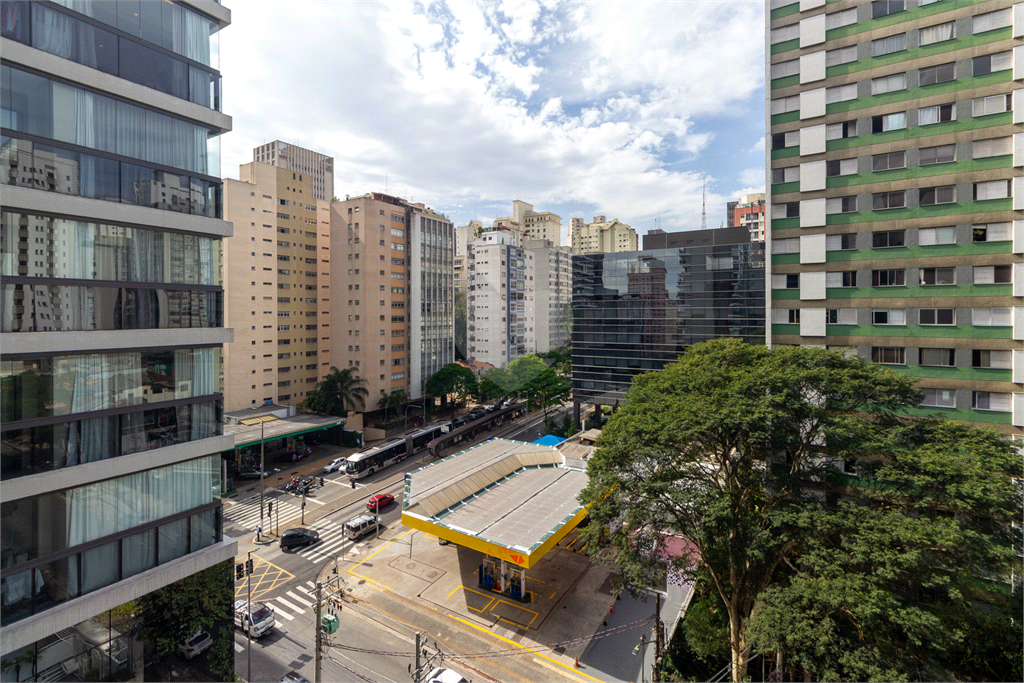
<point x="704" y="207"/>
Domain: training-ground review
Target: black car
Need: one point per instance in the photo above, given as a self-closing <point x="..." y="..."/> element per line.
<point x="458" y="422"/>
<point x="491" y="408"/>
<point x="294" y="538"/>
<point x="251" y="473"/>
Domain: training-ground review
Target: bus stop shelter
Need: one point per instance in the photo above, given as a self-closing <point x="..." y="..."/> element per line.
<point x="510" y="500"/>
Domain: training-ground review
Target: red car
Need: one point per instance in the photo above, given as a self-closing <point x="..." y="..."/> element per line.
<point x="379" y="501"/>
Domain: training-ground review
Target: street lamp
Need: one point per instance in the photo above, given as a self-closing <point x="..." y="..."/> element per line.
<point x="262" y="465"/>
<point x="407" y="415"/>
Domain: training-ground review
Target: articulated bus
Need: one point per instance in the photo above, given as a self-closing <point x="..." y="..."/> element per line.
<point x="375" y="459"/>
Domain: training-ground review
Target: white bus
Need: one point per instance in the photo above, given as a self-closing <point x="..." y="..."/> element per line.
<point x="364" y="464"/>
<point x="417" y="441"/>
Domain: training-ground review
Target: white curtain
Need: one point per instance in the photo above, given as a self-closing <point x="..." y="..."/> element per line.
<point x="131" y="126"/>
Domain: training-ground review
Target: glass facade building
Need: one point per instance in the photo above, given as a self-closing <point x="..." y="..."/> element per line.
<point x="634" y="312"/>
<point x="111" y="317"/>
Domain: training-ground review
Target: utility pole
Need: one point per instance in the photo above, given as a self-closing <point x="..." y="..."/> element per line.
<point x="419" y="635"/>
<point x="659" y="640"/>
<point x="262" y="465"/>
<point x="319" y="635"/>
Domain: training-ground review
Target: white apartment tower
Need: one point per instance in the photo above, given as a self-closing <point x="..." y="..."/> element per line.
<point x="500" y="300"/>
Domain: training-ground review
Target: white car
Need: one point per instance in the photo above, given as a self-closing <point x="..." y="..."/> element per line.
<point x="336" y="465"/>
<point x="444" y="676"/>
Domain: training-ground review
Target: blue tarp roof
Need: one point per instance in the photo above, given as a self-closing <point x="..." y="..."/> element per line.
<point x="549" y="440"/>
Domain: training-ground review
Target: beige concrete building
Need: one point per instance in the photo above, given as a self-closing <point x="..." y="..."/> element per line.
<point x="601" y="237"/>
<point x="534" y="224"/>
<point x="277" y="282"/>
<point x="552" y="294"/>
<point x="393" y="288"/>
<point x="305" y="161"/>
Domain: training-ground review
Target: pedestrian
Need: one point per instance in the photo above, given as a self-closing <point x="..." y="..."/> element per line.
<point x="259" y="530"/>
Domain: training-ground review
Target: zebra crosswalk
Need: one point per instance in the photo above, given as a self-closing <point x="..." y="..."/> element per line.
<point x="247" y="514"/>
<point x="333" y="542"/>
<point x="295" y="602"/>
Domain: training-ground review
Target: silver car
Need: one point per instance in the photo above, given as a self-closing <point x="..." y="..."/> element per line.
<point x="199" y="643"/>
<point x="335" y="465"/>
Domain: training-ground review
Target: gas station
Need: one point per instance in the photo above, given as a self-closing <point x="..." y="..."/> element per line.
<point x="509" y="500"/>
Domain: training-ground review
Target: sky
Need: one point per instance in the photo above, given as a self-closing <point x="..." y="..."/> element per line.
<point x="618" y="108"/>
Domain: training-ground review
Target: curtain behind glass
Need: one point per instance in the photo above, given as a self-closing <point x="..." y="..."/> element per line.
<point x="138" y="553"/>
<point x="100" y="567"/>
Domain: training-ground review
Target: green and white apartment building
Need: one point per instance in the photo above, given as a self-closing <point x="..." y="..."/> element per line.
<point x="894" y="222"/>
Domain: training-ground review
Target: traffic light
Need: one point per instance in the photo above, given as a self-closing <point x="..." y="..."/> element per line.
<point x="270" y="507"/>
<point x="248" y="565"/>
<point x="239" y="572"/>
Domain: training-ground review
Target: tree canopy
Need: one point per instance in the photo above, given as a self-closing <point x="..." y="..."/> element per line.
<point x="337" y="394"/>
<point x="735" y="448"/>
<point x="452" y="380"/>
<point x="527" y="375"/>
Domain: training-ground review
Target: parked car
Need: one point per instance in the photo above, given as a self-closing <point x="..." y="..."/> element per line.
<point x="458" y="422"/>
<point x="379" y="501"/>
<point x="336" y="465"/>
<point x="199" y="643"/>
<point x="491" y="408"/>
<point x="296" y="537"/>
<point x="251" y="473"/>
<point x="293" y="677"/>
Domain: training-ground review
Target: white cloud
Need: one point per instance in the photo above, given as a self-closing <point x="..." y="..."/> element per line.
<point x="587" y="106"/>
<point x="753" y="177"/>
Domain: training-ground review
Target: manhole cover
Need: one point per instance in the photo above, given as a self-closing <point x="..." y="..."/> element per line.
<point x="362" y="581"/>
<point x="431" y="575"/>
<point x="411" y="565"/>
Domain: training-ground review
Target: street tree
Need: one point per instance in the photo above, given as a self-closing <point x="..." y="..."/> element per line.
<point x="337" y="394"/>
<point x="719" y="448"/>
<point x="392" y="401"/>
<point x="452" y="380"/>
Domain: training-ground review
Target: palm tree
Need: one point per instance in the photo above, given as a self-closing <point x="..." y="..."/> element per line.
<point x="337" y="394"/>
<point x="388" y="402"/>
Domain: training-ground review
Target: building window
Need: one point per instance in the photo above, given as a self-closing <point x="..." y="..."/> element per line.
<point x="992" y="20"/>
<point x="938" y="398"/>
<point x="888" y="316"/>
<point x="993" y="189"/>
<point x="927" y="237"/>
<point x="888" y="200"/>
<point x="790" y="245"/>
<point x="840" y="167"/>
<point x="882" y="8"/>
<point x="881" y="124"/>
<point x="982" y="358"/>
<point x="889" y="238"/>
<point x="937" y="316"/>
<point x="937" y="33"/>
<point x="889" y="355"/>
<point x="891" y="83"/>
<point x="835" y="205"/>
<point x="936" y="74"/>
<point x="844" y="18"/>
<point x="945" y="358"/>
<point x="841" y="316"/>
<point x="994" y="104"/>
<point x="993" y="275"/>
<point x="786" y="104"/>
<point x="785" y="175"/>
<point x="942" y="154"/>
<point x="783" y="140"/>
<point x="841" y="93"/>
<point x="893" y="277"/>
<point x="987" y="64"/>
<point x="837" y="131"/>
<point x="993" y="147"/>
<point x="990" y="400"/>
<point x="888" y="45"/>
<point x="993" y="232"/>
<point x="843" y="55"/>
<point x="991" y="317"/>
<point x="846" y="278"/>
<point x="937" y="276"/>
<point x="790" y="210"/>
<point x="886" y="162"/>
<point x="936" y="114"/>
<point x="839" y="242"/>
<point x="783" y="316"/>
<point x="783" y="34"/>
<point x="929" y="196"/>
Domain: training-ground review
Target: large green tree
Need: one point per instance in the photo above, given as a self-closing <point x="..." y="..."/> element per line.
<point x="731" y="447"/>
<point x="337" y="394"/>
<point x="392" y="402"/>
<point x="452" y="380"/>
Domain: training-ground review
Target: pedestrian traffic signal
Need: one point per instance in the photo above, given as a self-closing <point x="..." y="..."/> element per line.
<point x="248" y="565"/>
<point x="239" y="572"/>
<point x="270" y="508"/>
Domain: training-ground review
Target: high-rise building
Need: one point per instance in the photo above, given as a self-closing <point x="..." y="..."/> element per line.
<point x="392" y="289"/>
<point x="319" y="167"/>
<point x="277" y="276"/>
<point x="500" y="277"/>
<point x="896" y="193"/>
<point x="552" y="294"/>
<point x="748" y="212"/>
<point x="542" y="225"/>
<point x="635" y="312"/>
<point x="601" y="236"/>
<point x="112" y="321"/>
